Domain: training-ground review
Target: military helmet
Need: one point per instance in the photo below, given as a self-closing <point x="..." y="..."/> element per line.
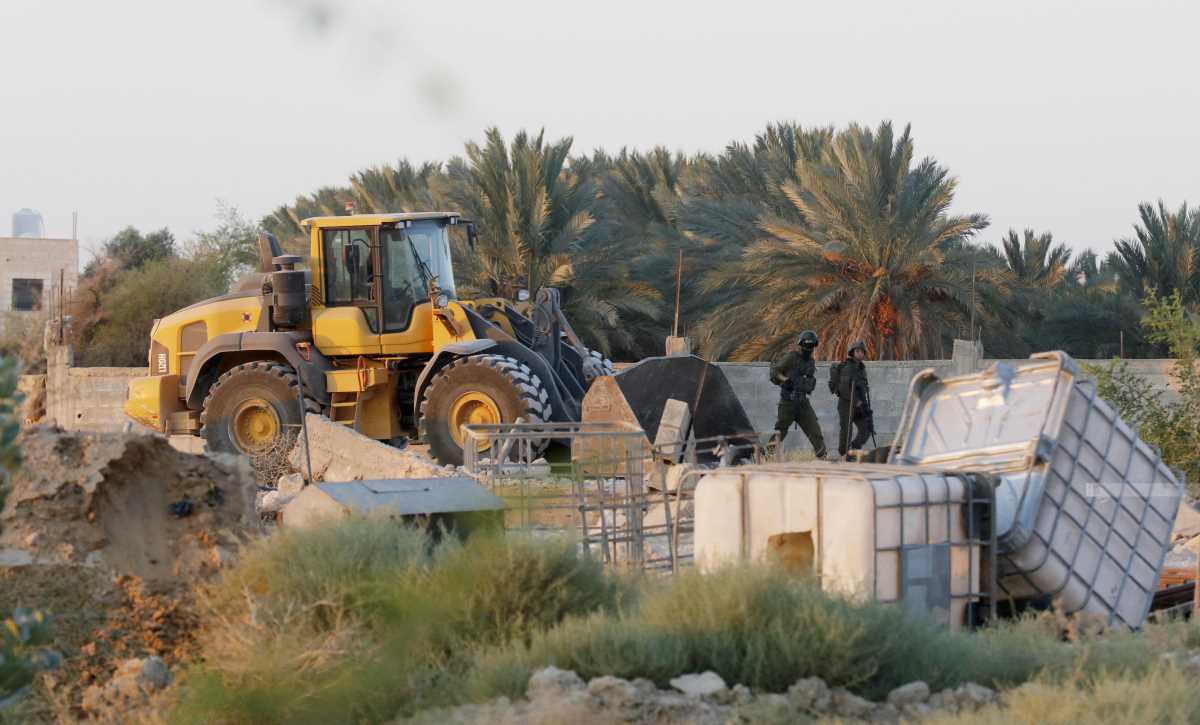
<point x="858" y="345"/>
<point x="808" y="338"/>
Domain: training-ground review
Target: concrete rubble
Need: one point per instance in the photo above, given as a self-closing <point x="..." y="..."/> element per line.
<point x="340" y="454"/>
<point x="1185" y="539"/>
<point x="554" y="695"/>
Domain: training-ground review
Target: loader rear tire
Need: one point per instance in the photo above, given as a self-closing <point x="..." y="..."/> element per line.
<point x="254" y="410"/>
<point x="479" y="389"/>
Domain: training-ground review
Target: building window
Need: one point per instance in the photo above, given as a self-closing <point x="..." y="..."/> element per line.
<point x="27" y="294"/>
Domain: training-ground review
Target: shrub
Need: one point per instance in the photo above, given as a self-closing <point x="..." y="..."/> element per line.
<point x="21" y="337"/>
<point x="1157" y="695"/>
<point x="124" y="312"/>
<point x="1174" y="427"/>
<point x="758" y="627"/>
<point x="10" y="422"/>
<point x="362" y="619"/>
<point x="22" y="652"/>
<point x="498" y="590"/>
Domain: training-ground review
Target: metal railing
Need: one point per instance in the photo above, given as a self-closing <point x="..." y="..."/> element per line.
<point x="601" y="482"/>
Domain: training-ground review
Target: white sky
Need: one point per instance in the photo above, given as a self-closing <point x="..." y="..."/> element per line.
<point x="1055" y="115"/>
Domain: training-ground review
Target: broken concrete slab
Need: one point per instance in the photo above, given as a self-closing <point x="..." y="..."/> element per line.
<point x="673" y="430"/>
<point x="671" y="478"/>
<point x="1187" y="522"/>
<point x="290" y="485"/>
<point x="341" y="454"/>
<point x="454" y="499"/>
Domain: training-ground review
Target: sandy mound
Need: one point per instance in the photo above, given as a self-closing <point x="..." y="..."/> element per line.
<point x="126" y="502"/>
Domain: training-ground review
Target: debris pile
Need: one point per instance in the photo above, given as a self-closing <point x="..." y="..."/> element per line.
<point x="107" y="532"/>
<point x="338" y="453"/>
<point x="125" y="502"/>
<point x="556" y="695"/>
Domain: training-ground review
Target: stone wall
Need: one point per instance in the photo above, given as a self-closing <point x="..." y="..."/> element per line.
<point x="88" y="399"/>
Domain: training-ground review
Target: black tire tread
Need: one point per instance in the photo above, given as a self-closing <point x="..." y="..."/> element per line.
<point x="279" y="370"/>
<point x="529" y="388"/>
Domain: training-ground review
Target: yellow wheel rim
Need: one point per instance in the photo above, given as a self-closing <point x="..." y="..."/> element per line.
<point x="472" y="408"/>
<point x="255" y="425"/>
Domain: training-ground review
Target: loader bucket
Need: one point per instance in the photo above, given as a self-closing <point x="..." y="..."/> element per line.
<point x="639" y="394"/>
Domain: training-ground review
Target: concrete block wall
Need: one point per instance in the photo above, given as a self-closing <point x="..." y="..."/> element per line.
<point x="889" y="387"/>
<point x="92" y="398"/>
<point x="44" y="259"/>
<point x="88" y="399"/>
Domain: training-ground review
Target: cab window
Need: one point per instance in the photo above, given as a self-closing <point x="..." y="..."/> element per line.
<point x="349" y="271"/>
<point x="404" y="286"/>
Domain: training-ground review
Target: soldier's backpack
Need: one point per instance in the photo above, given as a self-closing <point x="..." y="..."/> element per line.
<point x="835" y="377"/>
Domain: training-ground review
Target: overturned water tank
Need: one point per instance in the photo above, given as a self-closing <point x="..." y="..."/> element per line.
<point x="28" y="223"/>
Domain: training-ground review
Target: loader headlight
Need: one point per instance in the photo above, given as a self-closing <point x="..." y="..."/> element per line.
<point x="441" y="301"/>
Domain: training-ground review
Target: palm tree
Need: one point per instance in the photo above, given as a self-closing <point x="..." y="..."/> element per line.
<point x="876" y="256"/>
<point x="1035" y="260"/>
<point x="284" y="222"/>
<point x="1162" y="258"/>
<point x="535" y="216"/>
<point x="638" y="210"/>
<point x="384" y="188"/>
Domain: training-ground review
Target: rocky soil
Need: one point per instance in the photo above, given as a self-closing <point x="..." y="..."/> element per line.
<point x="560" y="696"/>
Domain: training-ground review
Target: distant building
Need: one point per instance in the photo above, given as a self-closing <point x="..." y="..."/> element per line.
<point x="30" y="268"/>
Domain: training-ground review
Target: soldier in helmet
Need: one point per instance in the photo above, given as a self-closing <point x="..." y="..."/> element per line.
<point x="848" y="381"/>
<point x="796" y="376"/>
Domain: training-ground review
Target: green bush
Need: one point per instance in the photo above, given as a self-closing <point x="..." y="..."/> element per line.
<point x="1157" y="695"/>
<point x="751" y="625"/>
<point x="760" y="628"/>
<point x="125" y="311"/>
<point x="1172" y="427"/>
<point x="362" y="619"/>
<point x="492" y="591"/>
<point x="22" y="653"/>
<point x="10" y="422"/>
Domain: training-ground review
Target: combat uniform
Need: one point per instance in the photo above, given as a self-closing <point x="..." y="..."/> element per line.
<point x="796" y="376"/>
<point x="848" y="380"/>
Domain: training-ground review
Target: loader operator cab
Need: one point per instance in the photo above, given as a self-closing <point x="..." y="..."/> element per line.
<point x="411" y="256"/>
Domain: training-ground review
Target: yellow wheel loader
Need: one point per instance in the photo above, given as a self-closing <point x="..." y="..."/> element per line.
<point x="373" y="336"/>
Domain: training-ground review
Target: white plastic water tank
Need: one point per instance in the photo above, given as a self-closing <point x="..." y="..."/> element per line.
<point x="1085" y="509"/>
<point x="28" y="223"/>
<point x="889" y="533"/>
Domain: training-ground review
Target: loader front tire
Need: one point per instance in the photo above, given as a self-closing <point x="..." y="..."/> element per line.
<point x="253" y="409"/>
<point x="600" y="365"/>
<point x="481" y="389"/>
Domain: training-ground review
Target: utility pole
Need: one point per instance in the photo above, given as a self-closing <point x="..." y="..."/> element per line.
<point x="973" y="255"/>
<point x="678" y="284"/>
